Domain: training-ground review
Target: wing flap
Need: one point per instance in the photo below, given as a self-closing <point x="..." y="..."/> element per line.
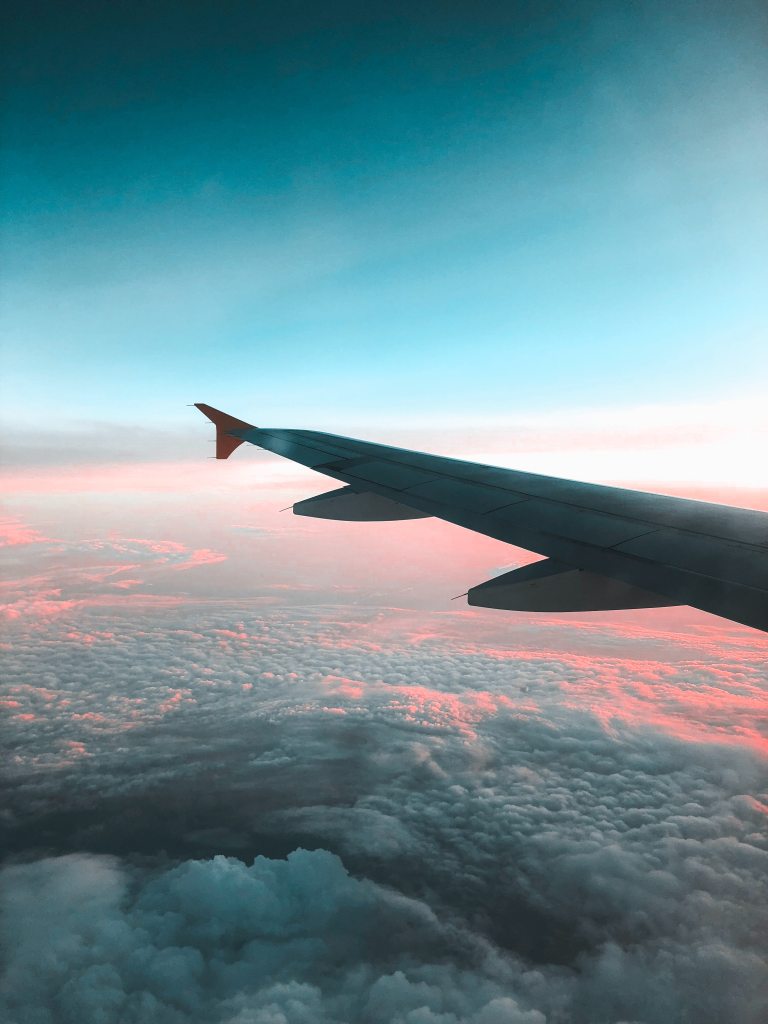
<point x="462" y="494"/>
<point x="390" y="474"/>
<point x="573" y="523"/>
<point x="313" y="456"/>
<point x="718" y="559"/>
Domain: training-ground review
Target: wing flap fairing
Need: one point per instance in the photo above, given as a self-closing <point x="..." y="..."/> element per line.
<point x="349" y="505"/>
<point x="552" y="586"/>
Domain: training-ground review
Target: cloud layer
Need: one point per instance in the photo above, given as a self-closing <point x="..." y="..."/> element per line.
<point x="294" y="940"/>
<point x="525" y="834"/>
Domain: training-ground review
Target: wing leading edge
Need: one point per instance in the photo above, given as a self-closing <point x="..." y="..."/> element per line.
<point x="606" y="547"/>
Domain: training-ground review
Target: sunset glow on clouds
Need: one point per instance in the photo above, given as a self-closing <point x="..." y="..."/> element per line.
<point x="599" y="787"/>
<point x="264" y="769"/>
<point x="676" y="670"/>
<point x="240" y="681"/>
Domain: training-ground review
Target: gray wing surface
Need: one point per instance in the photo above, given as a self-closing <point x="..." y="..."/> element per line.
<point x="605" y="547"/>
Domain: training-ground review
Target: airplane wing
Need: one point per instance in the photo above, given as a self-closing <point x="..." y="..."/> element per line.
<point x="605" y="547"/>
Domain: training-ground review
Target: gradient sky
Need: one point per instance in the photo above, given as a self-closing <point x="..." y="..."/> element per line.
<point x="324" y="211"/>
<point x="262" y="769"/>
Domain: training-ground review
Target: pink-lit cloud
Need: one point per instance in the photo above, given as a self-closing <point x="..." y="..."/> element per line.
<point x="185" y="477"/>
<point x="14" y="533"/>
<point x="612" y="799"/>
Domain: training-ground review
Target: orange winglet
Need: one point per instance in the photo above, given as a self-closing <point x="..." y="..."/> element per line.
<point x="225" y="443"/>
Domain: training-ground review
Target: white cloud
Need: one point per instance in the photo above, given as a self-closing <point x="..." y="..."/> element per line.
<point x="537" y="836"/>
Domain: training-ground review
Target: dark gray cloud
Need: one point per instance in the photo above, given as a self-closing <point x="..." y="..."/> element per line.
<point x="516" y="852"/>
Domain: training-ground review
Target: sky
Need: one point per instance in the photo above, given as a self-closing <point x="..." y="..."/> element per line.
<point x="342" y="210"/>
<point x="263" y="770"/>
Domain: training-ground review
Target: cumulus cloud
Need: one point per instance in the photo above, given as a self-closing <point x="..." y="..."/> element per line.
<point x="294" y="940"/>
<point x="525" y="835"/>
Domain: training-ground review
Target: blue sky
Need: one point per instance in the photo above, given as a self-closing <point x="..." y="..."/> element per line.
<point x="321" y="214"/>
